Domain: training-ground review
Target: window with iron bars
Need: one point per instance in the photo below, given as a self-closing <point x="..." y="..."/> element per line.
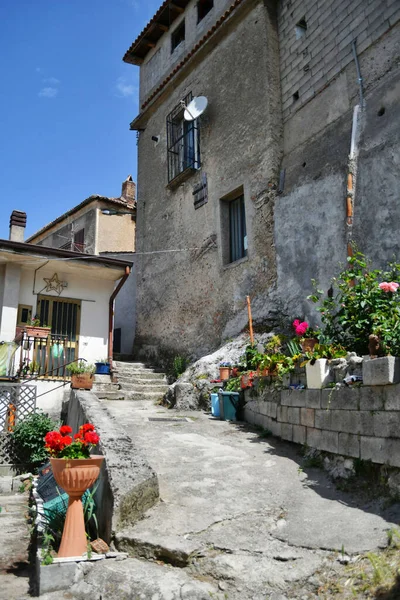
<point x="183" y="141"/>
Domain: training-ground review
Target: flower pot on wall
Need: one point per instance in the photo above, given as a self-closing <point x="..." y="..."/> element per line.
<point x="308" y="344"/>
<point x="102" y="368"/>
<point x="75" y="476"/>
<point x="37" y="332"/>
<point x="82" y="381"/>
<point x="318" y="374"/>
<point x="224" y="373"/>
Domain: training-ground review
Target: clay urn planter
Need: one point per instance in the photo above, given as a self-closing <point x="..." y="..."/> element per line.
<point x="75" y="476"/>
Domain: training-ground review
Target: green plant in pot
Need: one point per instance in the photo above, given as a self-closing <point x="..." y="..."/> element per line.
<point x="317" y="364"/>
<point x="81" y="375"/>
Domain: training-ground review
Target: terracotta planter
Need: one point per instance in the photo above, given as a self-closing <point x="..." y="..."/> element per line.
<point x="37" y="332"/>
<point x="308" y="344"/>
<point x="82" y="381"/>
<point x="75" y="476"/>
<point x="246" y="380"/>
<point x="224" y="373"/>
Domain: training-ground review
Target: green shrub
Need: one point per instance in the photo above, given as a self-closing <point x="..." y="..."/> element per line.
<point x="179" y="365"/>
<point x="28" y="440"/>
<point x="359" y="305"/>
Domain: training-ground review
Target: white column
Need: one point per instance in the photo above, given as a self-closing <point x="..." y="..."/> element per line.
<point x="9" y="305"/>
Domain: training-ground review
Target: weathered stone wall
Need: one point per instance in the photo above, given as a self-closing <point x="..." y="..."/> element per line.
<point x="186" y="298"/>
<point x="358" y="422"/>
<point x="160" y="60"/>
<point x="191" y="300"/>
<point x="312" y="57"/>
<point x="310" y="215"/>
<point x="128" y="486"/>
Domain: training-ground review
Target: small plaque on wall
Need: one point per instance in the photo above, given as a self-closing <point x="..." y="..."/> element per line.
<point x="200" y="192"/>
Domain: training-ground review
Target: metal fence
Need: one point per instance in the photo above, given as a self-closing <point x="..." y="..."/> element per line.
<point x="46" y="356"/>
<point x="17" y="401"/>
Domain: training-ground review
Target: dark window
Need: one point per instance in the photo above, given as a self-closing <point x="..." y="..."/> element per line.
<point x="203" y="8"/>
<point x="177" y="36"/>
<point x="79" y="241"/>
<point x="237" y="230"/>
<point x="182" y="141"/>
<point x="301" y="28"/>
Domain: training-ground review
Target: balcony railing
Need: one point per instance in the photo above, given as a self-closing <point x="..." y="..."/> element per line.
<point x="45" y="357"/>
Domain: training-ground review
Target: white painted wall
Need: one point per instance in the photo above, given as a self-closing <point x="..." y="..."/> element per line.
<point x="94" y="295"/>
<point x="9" y="303"/>
<point x="50" y="397"/>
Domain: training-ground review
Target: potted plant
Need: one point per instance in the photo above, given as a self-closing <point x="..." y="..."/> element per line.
<point x="364" y="302"/>
<point x="102" y="367"/>
<point x="34" y="329"/>
<point x="224" y="370"/>
<point x="308" y="337"/>
<point x="318" y="372"/>
<point x="81" y="375"/>
<point x="75" y="470"/>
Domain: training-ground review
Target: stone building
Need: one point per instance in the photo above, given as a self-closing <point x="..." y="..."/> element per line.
<point x="103" y="226"/>
<point x="296" y="156"/>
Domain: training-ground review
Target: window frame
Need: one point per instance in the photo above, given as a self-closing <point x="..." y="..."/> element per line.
<point x="183" y="142"/>
<point x="237" y="229"/>
<point x="200" y="4"/>
<point x="234" y="246"/>
<point x="174" y="35"/>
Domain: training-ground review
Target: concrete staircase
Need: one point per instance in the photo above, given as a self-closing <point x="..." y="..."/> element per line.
<point x="105" y="389"/>
<point x="138" y="382"/>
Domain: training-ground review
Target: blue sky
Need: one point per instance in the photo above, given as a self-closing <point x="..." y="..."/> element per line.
<point x="66" y="102"/>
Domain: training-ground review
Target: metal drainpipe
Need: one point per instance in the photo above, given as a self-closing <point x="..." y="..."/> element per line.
<point x="360" y="79"/>
<point x="111" y="315"/>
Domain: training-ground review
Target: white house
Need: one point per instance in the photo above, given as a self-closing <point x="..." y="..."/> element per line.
<point x="70" y="292"/>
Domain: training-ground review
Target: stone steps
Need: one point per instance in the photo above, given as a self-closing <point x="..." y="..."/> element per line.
<point x="144" y="395"/>
<point x="148" y="387"/>
<point x="107" y="395"/>
<point x="138" y="381"/>
<point x="140" y="375"/>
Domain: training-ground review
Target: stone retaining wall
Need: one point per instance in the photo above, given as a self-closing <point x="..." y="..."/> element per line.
<point x="128" y="486"/>
<point x="359" y="422"/>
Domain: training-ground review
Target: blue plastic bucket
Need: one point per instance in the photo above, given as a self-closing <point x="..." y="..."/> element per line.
<point x="102" y="368"/>
<point x="215" y="406"/>
<point x="230" y="402"/>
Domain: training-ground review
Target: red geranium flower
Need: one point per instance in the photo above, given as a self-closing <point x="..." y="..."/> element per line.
<point x="65" y="429"/>
<point x="91" y="438"/>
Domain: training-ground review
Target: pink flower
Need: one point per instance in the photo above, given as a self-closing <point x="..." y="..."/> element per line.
<point x="301" y="328"/>
<point x="389" y="287"/>
<point x="296" y="323"/>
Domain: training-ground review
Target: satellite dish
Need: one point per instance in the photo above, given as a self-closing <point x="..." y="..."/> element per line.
<point x="195" y="108"/>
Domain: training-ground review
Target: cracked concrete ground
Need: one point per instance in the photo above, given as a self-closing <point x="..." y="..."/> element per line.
<point x="237" y="518"/>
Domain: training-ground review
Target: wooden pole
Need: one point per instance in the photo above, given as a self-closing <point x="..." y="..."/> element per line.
<point x="250" y="320"/>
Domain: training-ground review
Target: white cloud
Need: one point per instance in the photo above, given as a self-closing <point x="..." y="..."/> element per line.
<point x="51" y="81"/>
<point x="48" y="92"/>
<point x="124" y="89"/>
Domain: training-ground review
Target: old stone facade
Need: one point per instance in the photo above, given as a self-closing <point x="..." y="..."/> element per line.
<point x="251" y="199"/>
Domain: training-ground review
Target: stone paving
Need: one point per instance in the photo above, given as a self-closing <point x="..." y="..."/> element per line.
<point x="14" y="543"/>
<point x="238" y="518"/>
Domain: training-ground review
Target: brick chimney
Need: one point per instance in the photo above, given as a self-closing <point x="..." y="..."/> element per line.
<point x="17" y="226"/>
<point x="129" y="190"/>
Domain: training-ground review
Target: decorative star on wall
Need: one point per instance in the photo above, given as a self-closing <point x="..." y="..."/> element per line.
<point x="53" y="283"/>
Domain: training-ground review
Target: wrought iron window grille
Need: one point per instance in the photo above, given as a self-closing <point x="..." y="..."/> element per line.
<point x="183" y="141"/>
